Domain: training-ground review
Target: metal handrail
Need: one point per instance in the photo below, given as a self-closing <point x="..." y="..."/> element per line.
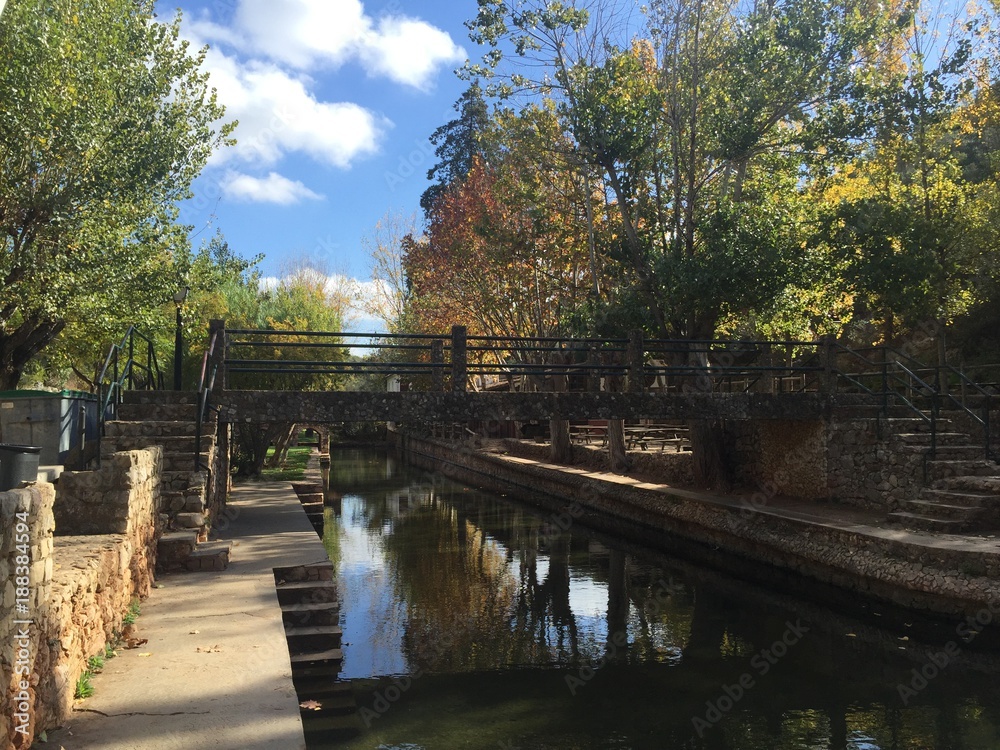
<point x="984" y="420"/>
<point x="206" y="381"/>
<point x="120" y="368"/>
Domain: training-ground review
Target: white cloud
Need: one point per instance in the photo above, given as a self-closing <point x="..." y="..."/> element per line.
<point x="278" y="115"/>
<point x="409" y="51"/>
<point x="306" y="34"/>
<point x="271" y="189"/>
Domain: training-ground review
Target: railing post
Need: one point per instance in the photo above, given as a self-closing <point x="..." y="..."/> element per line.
<point x="217" y="361"/>
<point x="986" y="424"/>
<point x="593" y="374"/>
<point x="636" y="375"/>
<point x="829" y="366"/>
<point x="437" y="363"/>
<point x="459" y="358"/>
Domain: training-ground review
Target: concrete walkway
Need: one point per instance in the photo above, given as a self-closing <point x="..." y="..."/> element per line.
<point x="869" y="523"/>
<point x="215" y="672"/>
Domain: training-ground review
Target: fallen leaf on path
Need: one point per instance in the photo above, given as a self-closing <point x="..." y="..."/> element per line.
<point x="148" y="653"/>
<point x="209" y="650"/>
<point x="194" y="632"/>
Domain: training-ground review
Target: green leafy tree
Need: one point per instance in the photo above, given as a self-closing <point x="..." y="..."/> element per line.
<point x="106" y="120"/>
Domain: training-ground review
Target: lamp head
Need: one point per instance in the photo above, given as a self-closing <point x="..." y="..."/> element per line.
<point x="181" y="296"/>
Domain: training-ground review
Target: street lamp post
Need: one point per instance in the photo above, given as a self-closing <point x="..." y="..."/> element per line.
<point x="179" y="298"/>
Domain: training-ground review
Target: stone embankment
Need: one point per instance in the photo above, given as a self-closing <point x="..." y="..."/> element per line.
<point x="848" y="547"/>
<point x="80" y="586"/>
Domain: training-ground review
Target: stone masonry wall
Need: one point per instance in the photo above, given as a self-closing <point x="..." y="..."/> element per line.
<point x="782" y="457"/>
<point x="868" y="469"/>
<point x="26" y="537"/>
<point x="82" y="581"/>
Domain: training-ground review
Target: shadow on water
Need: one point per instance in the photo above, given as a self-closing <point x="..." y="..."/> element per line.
<point x="474" y="621"/>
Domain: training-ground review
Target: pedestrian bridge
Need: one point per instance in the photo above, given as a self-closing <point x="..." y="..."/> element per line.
<point x="267" y="376"/>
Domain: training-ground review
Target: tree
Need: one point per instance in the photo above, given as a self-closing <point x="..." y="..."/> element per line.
<point x="702" y="131"/>
<point x="106" y="120"/>
<point x="458" y="143"/>
<point x="389" y="292"/>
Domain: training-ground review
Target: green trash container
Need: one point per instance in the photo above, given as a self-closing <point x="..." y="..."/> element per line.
<point x="18" y="463"/>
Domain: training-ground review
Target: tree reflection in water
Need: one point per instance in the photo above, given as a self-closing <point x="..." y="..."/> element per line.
<point x="498" y="607"/>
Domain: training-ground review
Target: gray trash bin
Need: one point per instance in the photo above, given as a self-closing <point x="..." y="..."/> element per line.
<point x="18" y="463"/>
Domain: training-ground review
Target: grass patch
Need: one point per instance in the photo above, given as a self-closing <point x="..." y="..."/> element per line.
<point x="83" y="687"/>
<point x="292" y="470"/>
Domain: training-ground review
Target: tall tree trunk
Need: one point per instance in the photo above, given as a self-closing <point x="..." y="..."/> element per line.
<point x="20" y="345"/>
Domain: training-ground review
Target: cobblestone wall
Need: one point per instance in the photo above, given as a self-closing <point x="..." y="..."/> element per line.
<point x="26" y="531"/>
<point x="81" y="582"/>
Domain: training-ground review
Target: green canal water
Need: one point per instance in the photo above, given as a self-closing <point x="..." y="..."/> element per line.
<point x="475" y="621"/>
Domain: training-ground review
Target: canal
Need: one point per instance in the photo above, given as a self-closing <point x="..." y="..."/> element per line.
<point x="471" y="620"/>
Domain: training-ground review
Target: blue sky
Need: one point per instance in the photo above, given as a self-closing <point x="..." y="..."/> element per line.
<point x="336" y="101"/>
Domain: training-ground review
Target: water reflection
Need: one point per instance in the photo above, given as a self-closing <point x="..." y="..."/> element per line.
<point x="507" y="627"/>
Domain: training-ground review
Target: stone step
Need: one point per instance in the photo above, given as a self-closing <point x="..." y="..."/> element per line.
<point x="959" y="498"/>
<point x="324" y="613"/>
<point x="182" y="502"/>
<point x="935" y="509"/>
<point x="943" y="438"/>
<point x="171" y="444"/>
<point x="184" y="480"/>
<point x="943" y="468"/>
<point x="161" y="413"/>
<point x="329" y="705"/>
<point x="946" y="452"/>
<point x="325" y="684"/>
<point x="209" y="556"/>
<point x="168" y="462"/>
<point x="190" y="520"/>
<point x="160" y="397"/>
<point x="306" y="591"/>
<point x="175" y="547"/>
<point x="921" y="522"/>
<point x="916" y="425"/>
<point x="326" y="729"/>
<point x="987" y="485"/>
<point x="328" y="655"/>
<point x="118" y="428"/>
<point x="312" y="638"/>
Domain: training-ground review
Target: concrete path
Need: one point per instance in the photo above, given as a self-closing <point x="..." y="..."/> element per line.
<point x="215" y="672"/>
<point x="870" y="523"/>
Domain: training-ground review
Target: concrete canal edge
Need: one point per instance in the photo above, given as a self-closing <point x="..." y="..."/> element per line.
<point x="942" y="574"/>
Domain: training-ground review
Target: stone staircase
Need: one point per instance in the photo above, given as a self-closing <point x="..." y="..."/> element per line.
<point x="961" y="492"/>
<point x="169" y="419"/>
<point x="310" y="611"/>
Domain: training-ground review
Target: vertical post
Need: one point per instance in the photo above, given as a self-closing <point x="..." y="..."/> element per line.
<point x="217" y="360"/>
<point x="636" y="377"/>
<point x="593" y="374"/>
<point x="829" y="366"/>
<point x="131" y="361"/>
<point x="437" y="365"/>
<point x="178" y="349"/>
<point x="459" y="358"/>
